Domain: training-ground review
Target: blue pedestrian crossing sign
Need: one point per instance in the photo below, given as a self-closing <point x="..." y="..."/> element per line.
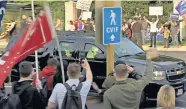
<point x="112" y="21"/>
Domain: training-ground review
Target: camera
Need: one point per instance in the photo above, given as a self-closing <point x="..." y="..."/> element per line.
<point x="81" y="60"/>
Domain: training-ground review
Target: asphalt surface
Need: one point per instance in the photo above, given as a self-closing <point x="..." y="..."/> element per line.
<point x="180" y="102"/>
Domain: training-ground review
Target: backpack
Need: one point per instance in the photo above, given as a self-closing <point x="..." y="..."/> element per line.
<point x="72" y="98"/>
<point x="44" y="83"/>
<point x="12" y="101"/>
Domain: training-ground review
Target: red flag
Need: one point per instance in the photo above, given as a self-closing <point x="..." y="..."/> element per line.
<point x="38" y="34"/>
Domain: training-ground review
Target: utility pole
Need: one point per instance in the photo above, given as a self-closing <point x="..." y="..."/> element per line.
<point x="99" y="30"/>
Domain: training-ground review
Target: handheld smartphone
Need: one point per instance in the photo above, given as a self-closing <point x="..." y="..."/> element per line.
<point x="81" y="61"/>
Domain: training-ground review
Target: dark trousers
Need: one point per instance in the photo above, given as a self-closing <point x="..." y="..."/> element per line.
<point x="179" y="39"/>
<point x="166" y="43"/>
<point x="153" y="39"/>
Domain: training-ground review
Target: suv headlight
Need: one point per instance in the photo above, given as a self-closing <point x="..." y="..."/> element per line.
<point x="159" y="75"/>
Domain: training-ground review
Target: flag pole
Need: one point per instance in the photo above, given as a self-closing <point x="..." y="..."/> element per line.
<point x="36" y="54"/>
<point x="60" y="57"/>
<point x="57" y="41"/>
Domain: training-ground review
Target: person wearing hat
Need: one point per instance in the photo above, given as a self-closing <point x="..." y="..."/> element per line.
<point x="29" y="95"/>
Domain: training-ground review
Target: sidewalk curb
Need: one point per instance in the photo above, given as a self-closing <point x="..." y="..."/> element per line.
<point x="160" y="48"/>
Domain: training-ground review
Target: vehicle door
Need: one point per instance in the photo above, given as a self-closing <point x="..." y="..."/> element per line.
<point x="68" y="51"/>
<point x="97" y="61"/>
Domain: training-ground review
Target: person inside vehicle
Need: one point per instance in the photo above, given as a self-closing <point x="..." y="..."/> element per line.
<point x="57" y="98"/>
<point x="166" y="97"/>
<point x="92" y="53"/>
<point x="31" y="98"/>
<point x="66" y="50"/>
<point x="126" y="92"/>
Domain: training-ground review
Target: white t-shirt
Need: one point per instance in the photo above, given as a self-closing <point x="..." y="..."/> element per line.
<point x="71" y="28"/>
<point x="60" y="90"/>
<point x="153" y="26"/>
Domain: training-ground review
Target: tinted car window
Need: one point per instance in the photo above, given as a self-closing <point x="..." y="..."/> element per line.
<point x="92" y="50"/>
<point x="127" y="47"/>
<point x="67" y="48"/>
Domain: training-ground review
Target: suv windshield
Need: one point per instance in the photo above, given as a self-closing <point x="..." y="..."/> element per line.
<point x="127" y="48"/>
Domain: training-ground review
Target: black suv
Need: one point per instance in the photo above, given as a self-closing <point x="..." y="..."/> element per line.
<point x="167" y="70"/>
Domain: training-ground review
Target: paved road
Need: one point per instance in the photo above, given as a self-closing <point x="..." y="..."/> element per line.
<point x="180" y="102"/>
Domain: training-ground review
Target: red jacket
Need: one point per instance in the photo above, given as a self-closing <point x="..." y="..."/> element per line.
<point x="47" y="72"/>
<point x="76" y="24"/>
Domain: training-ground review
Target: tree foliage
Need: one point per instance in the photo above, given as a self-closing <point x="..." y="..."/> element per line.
<point x="131" y="8"/>
<point x="57" y="8"/>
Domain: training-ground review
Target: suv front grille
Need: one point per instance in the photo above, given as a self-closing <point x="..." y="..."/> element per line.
<point x="176" y="77"/>
<point x="176" y="74"/>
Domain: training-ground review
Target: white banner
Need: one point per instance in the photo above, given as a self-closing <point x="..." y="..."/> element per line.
<point x="156" y="10"/>
<point x="84" y="4"/>
<point x="86" y="15"/>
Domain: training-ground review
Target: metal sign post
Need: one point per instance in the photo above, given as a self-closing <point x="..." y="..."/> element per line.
<point x="112" y="21"/>
<point x="108" y="38"/>
<point x="57" y="41"/>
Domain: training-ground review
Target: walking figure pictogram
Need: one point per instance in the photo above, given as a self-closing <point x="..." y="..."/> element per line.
<point x="113" y="18"/>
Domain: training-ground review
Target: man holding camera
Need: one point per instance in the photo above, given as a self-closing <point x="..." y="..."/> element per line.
<point x="74" y="72"/>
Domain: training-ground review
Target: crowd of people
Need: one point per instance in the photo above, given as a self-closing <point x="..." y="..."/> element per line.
<point x="77" y="25"/>
<point x="80" y="25"/>
<point x="140" y="29"/>
<point x="120" y="92"/>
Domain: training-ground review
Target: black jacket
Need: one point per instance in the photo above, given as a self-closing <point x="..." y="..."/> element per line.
<point x="30" y="98"/>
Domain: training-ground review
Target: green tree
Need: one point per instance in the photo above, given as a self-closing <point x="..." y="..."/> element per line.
<point x="131" y="8"/>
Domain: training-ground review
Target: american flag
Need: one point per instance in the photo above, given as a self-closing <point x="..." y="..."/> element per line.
<point x="39" y="33"/>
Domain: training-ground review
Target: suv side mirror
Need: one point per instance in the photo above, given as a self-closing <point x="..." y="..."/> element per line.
<point x="100" y="57"/>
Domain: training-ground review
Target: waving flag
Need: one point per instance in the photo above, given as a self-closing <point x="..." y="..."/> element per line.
<point x="38" y="34"/>
<point x="181" y="7"/>
<point x="2" y="9"/>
